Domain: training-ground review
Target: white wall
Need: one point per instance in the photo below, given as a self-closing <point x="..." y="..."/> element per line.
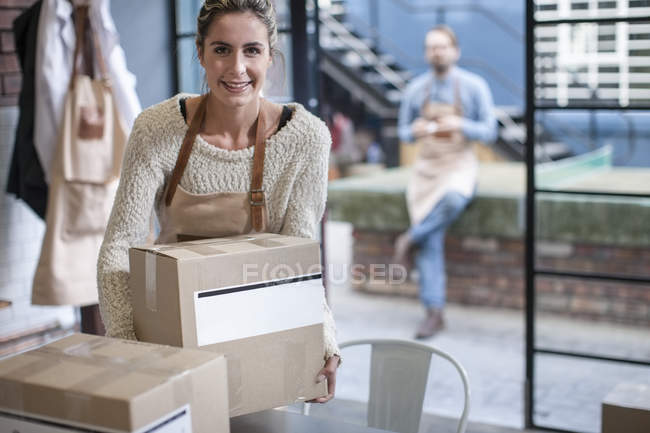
<point x="144" y="31"/>
<point x="21" y="233"/>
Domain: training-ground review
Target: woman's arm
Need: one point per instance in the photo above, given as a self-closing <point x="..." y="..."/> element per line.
<point x="307" y="205"/>
<point x="129" y="224"/>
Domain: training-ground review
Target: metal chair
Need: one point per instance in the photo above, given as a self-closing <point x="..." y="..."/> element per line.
<point x="398" y="378"/>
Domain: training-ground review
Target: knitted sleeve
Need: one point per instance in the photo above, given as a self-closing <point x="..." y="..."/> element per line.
<point x="128" y="225"/>
<point x="306" y="208"/>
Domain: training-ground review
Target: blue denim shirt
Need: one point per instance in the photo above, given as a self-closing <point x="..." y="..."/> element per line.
<point x="479" y="122"/>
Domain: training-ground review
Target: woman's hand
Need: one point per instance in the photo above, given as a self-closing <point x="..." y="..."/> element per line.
<point x="328" y="372"/>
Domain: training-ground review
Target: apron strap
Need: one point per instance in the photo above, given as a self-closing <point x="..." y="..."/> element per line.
<point x="458" y="103"/>
<point x="256" y="195"/>
<point x="186" y="149"/>
<point x="427" y="94"/>
<point x="82" y="19"/>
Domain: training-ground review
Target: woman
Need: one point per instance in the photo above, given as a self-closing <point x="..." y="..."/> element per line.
<point x="219" y="164"/>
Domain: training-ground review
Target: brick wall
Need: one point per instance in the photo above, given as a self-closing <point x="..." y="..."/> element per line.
<point x="490" y="272"/>
<point x="10" y="77"/>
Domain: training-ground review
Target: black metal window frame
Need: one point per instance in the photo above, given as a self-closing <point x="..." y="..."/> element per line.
<point x="531" y="271"/>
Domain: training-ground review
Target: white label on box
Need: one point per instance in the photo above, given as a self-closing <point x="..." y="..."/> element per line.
<point x="235" y="312"/>
<point x="178" y="421"/>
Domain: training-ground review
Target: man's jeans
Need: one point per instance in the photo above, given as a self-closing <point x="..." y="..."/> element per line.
<point x="429" y="236"/>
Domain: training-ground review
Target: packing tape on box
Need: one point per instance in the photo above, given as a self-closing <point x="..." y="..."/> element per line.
<point x="150" y="289"/>
<point x="200" y="246"/>
<point x="151" y="260"/>
<point x="75" y="400"/>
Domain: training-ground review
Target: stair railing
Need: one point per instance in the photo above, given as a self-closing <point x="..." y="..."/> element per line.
<point x="359" y="47"/>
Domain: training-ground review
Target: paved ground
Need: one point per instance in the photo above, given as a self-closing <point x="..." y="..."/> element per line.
<point x="490" y="345"/>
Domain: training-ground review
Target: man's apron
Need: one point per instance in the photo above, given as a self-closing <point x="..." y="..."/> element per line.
<point x="444" y="162"/>
<point x="186" y="216"/>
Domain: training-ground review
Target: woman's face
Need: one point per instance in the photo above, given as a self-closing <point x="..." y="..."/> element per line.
<point x="236" y="56"/>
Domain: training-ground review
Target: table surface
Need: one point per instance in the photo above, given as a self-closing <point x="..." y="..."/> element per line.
<point x="277" y="421"/>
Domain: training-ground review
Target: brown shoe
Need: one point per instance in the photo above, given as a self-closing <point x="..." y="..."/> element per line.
<point x="432" y="324"/>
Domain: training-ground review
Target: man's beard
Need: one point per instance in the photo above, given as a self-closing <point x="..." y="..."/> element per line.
<point x="441" y="69"/>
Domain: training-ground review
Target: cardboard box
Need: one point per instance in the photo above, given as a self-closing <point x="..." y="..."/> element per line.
<point x="256" y="298"/>
<point x="90" y="383"/>
<point x="626" y="409"/>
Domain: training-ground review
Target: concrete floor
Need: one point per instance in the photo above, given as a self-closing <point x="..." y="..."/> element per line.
<point x="490" y="345"/>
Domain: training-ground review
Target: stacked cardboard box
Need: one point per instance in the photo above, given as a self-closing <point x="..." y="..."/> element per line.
<point x="90" y="383"/>
<point x="626" y="409"/>
<point x="256" y="298"/>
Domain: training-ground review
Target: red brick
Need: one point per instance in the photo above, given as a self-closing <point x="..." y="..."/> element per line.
<point x="11" y="84"/>
<point x="8" y="101"/>
<point x="496" y="278"/>
<point x="7" y="17"/>
<point x="7" y="42"/>
<point x="9" y="63"/>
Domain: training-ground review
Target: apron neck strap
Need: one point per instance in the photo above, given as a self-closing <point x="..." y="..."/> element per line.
<point x="82" y="25"/>
<point x="458" y="105"/>
<point x="186" y="149"/>
<point x="256" y="195"/>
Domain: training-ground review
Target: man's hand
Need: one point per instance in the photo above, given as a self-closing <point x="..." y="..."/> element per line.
<point x="328" y="372"/>
<point x="420" y="127"/>
<point x="449" y="124"/>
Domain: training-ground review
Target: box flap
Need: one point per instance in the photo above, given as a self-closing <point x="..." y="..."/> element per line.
<point x="228" y="245"/>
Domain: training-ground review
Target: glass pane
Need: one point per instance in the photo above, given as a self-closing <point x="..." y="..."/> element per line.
<point x="190" y="72"/>
<point x="186" y="13"/>
<point x="593" y="63"/>
<point x="595" y="317"/>
<point x="279" y="86"/>
<point x="558" y="9"/>
<point x="606" y="150"/>
<point x="569" y="391"/>
<point x="597" y="234"/>
<point x="581" y="235"/>
<point x="283" y="14"/>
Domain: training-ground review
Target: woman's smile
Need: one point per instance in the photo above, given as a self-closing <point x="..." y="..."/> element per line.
<point x="237" y="86"/>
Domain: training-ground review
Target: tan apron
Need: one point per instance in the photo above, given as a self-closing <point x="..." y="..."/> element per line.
<point x="82" y="185"/>
<point x="444" y="162"/>
<point x="186" y="216"/>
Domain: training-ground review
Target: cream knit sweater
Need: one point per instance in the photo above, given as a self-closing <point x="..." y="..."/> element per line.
<point x="295" y="184"/>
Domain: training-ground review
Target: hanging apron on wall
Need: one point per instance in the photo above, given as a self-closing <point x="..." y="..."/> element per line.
<point x="187" y="216"/>
<point x="83" y="183"/>
<point x="444" y="162"/>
